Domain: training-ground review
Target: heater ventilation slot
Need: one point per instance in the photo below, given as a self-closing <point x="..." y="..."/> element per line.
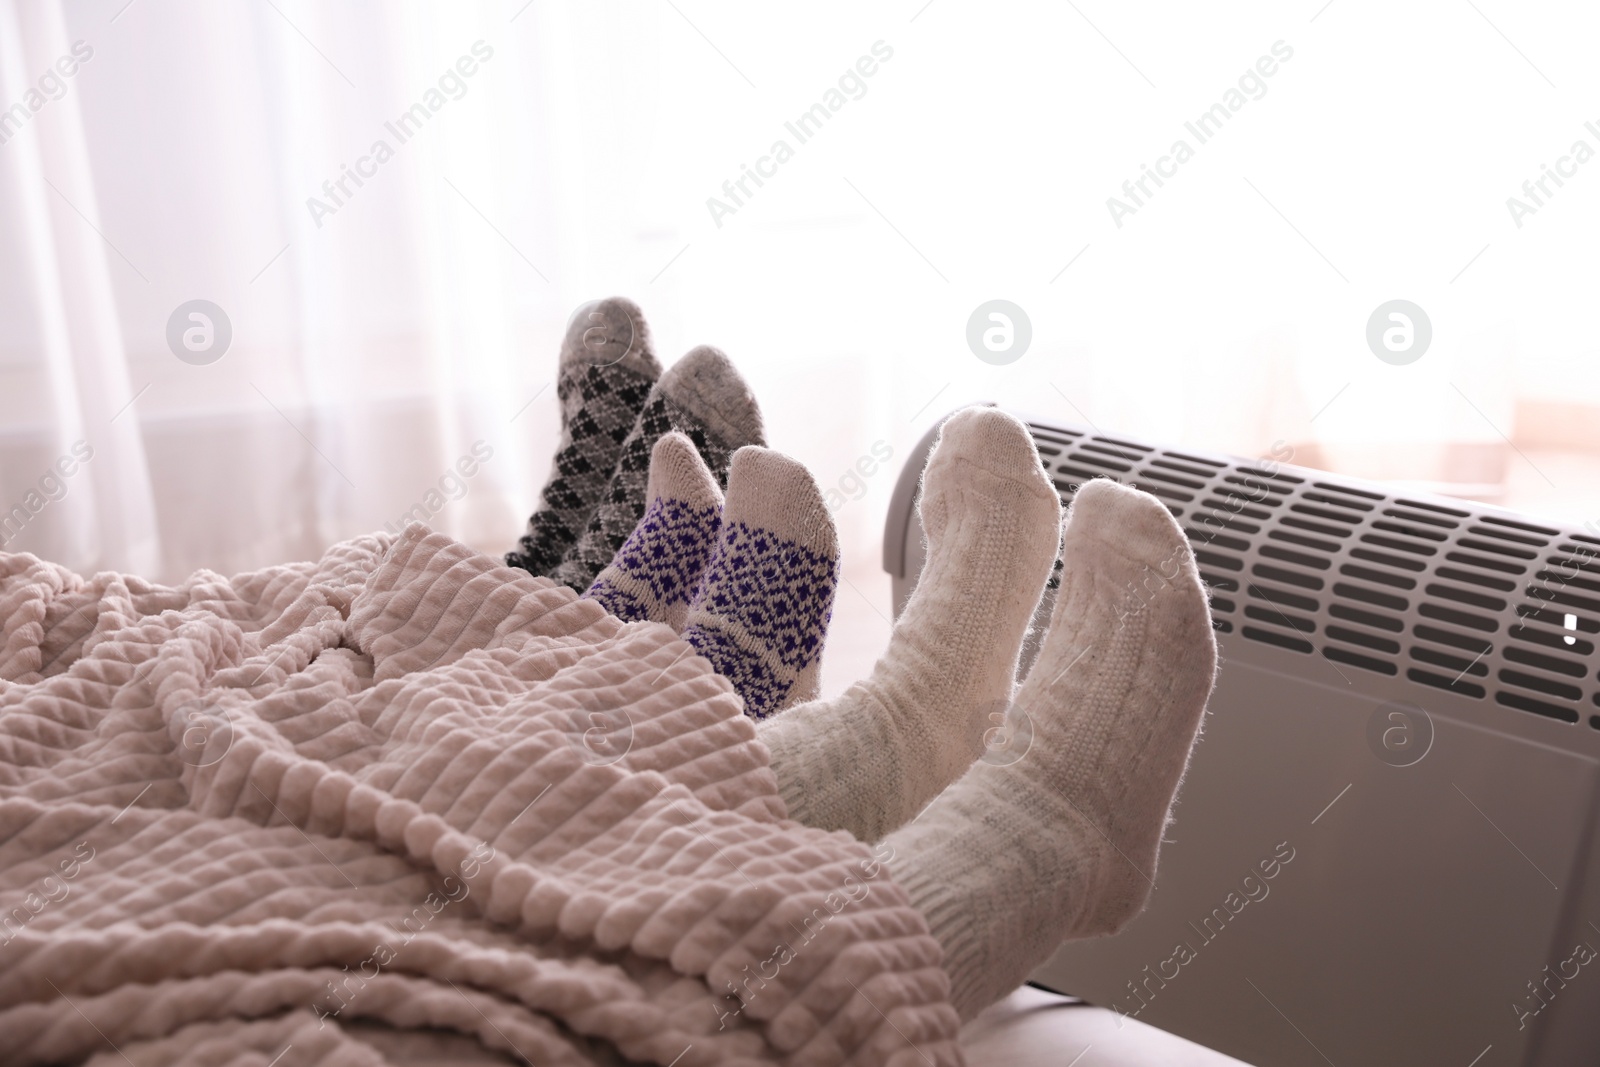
<point x="1538" y="707"/>
<point x="1460" y="665"/>
<point x="1490" y="546"/>
<point x="1397" y="562"/>
<point x="1100" y="449"/>
<point x="1567" y="642"/>
<point x="1489" y="564"/>
<point x="1356" y="659"/>
<point x="1566" y="667"/>
<point x="1235" y="505"/>
<point x="1419" y="517"/>
<point x="1214" y="559"/>
<point x="1512" y="524"/>
<point x="1314" y="527"/>
<point x="1364" y="617"/>
<point x="1359" y="637"/>
<point x="1291" y="556"/>
<point x="1281" y="640"/>
<point x="1288" y="577"/>
<point x="1488" y="581"/>
<point x="1303" y="540"/>
<point x="1439" y="681"/>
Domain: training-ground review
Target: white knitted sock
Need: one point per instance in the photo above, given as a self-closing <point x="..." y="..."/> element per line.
<point x="1060" y="840"/>
<point x="871" y="758"/>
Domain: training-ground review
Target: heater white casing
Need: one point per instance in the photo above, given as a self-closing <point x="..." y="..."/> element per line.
<point x="1408" y="700"/>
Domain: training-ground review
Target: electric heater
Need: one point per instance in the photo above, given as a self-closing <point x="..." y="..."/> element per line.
<point x="1384" y="850"/>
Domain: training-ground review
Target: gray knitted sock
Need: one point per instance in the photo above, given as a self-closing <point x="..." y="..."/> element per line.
<point x="605" y="376"/>
<point x="701" y="396"/>
<point x="870" y="759"/>
<point x="1057" y="836"/>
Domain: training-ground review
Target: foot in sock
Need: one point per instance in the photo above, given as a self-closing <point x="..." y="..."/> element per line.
<point x="869" y="760"/>
<point x="1025" y="852"/>
<point x="658" y="569"/>
<point x="762" y="612"/>
<point x="701" y="396"/>
<point x="604" y="378"/>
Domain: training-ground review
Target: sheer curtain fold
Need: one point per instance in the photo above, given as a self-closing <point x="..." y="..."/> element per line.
<point x="91" y="487"/>
<point x="227" y="153"/>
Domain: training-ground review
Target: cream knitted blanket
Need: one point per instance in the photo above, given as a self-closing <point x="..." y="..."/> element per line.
<point x="346" y="812"/>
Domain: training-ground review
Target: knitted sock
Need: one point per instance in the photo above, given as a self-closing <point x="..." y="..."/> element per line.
<point x="604" y="378"/>
<point x="1060" y="840"/>
<point x="702" y="396"/>
<point x="872" y="758"/>
<point x="655" y="573"/>
<point x="762" y="612"/>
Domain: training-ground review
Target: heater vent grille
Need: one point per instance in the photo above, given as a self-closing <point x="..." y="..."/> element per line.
<point x="1449" y="596"/>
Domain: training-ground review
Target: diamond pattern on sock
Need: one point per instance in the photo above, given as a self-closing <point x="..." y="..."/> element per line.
<point x="599" y="408"/>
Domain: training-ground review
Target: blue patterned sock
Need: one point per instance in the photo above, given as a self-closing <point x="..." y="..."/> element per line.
<point x="762" y="613"/>
<point x="655" y="573"/>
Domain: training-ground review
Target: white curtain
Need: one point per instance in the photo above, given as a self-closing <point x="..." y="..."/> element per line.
<point x="394" y="311"/>
<point x="375" y="352"/>
<point x="65" y="367"/>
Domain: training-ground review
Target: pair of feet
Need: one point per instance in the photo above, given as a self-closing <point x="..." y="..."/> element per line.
<point x="1008" y="852"/>
<point x="615" y="405"/>
<point x="633" y="513"/>
<point x="748" y="581"/>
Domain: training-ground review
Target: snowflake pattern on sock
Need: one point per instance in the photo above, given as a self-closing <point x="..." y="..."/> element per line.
<point x="769" y="600"/>
<point x="599" y="408"/>
<point x="663" y="560"/>
<point x="752" y="678"/>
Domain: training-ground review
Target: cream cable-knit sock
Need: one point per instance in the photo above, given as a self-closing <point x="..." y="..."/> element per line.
<point x="1060" y="839"/>
<point x="658" y="569"/>
<point x="870" y="759"/>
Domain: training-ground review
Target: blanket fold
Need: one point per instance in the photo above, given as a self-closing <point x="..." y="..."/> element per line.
<point x="406" y="799"/>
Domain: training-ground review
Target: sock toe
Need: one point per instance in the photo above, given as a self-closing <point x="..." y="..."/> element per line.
<point x="1129" y="522"/>
<point x="609" y="332"/>
<point x="707" y="384"/>
<point x="678" y="473"/>
<point x="991" y="441"/>
<point x="772" y="491"/>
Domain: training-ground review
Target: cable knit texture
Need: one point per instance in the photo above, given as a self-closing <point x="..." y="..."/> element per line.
<point x="1055" y="832"/>
<point x="869" y="760"/>
<point x="404" y="788"/>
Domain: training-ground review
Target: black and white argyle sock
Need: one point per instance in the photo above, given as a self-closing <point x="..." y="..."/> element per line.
<point x="606" y="374"/>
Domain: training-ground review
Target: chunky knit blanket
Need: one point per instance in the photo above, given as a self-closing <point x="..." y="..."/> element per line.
<point x="405" y="805"/>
